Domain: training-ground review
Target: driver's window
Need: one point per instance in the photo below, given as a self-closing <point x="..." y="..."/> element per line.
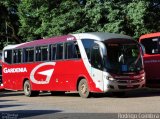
<point x="96" y="58"/>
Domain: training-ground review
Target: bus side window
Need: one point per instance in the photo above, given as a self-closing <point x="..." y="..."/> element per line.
<point x="44" y="53"/>
<point x="59" y="51"/>
<point x="14" y="56"/>
<point x="96" y="59"/>
<point x="76" y="51"/>
<point x="53" y="52"/>
<point x="71" y="51"/>
<point x="17" y="56"/>
<point x="38" y="54"/>
<point x="8" y="56"/>
<point x="68" y="51"/>
<point x="29" y="55"/>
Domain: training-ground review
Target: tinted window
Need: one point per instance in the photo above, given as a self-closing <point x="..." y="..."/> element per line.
<point x="44" y="50"/>
<point x="8" y="56"/>
<point x="14" y="56"/>
<point x="59" y="52"/>
<point x="151" y="45"/>
<point x="38" y="54"/>
<point x="53" y="52"/>
<point x="17" y="56"/>
<point x="29" y="55"/>
<point x="42" y="53"/>
<point x="71" y="50"/>
<point x="87" y="45"/>
<point x="96" y="59"/>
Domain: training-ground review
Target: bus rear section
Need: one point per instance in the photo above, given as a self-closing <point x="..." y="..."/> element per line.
<point x="151" y="44"/>
<point x="1" y="83"/>
<point x="87" y="62"/>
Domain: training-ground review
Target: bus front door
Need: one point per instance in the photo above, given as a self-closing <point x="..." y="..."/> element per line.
<point x="97" y="66"/>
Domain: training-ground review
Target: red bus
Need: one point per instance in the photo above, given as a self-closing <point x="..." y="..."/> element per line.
<point x="1" y="83"/>
<point x="86" y="62"/>
<point x="151" y="44"/>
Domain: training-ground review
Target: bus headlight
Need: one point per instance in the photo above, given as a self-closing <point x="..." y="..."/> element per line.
<point x="143" y="78"/>
<point x="111" y="78"/>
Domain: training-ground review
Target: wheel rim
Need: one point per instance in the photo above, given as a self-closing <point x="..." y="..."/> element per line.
<point x="83" y="89"/>
<point x="27" y="88"/>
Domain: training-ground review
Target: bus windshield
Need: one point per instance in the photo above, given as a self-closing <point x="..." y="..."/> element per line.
<point x="123" y="58"/>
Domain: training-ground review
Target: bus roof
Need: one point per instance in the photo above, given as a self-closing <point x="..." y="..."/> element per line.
<point x="41" y="42"/>
<point x="150" y="35"/>
<point x="100" y="36"/>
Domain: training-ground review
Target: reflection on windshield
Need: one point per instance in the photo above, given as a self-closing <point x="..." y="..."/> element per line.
<point x="123" y="57"/>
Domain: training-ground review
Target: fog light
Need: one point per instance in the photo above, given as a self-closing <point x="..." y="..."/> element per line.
<point x="110" y="86"/>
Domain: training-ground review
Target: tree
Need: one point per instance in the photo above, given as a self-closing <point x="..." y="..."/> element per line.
<point x="44" y="19"/>
<point x="152" y="16"/>
<point x="39" y="19"/>
<point x="27" y="20"/>
<point x="9" y="22"/>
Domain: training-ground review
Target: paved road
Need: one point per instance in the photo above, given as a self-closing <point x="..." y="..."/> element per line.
<point x="70" y="105"/>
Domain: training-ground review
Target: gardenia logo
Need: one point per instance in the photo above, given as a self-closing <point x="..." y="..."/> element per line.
<point x="48" y="73"/>
<point x="14" y="70"/>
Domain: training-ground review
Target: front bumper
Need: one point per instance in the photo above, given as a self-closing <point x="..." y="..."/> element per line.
<point x="125" y="85"/>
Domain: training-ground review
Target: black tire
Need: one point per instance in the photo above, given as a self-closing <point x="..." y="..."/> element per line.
<point x="83" y="89"/>
<point x="28" y="90"/>
<point x="57" y="93"/>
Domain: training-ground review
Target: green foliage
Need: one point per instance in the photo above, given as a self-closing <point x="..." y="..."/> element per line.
<point x="135" y="13"/>
<point x="9" y="24"/>
<point x="34" y="19"/>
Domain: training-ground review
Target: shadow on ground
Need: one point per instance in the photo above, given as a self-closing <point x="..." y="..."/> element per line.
<point x="6" y="106"/>
<point x="25" y="113"/>
<point x="11" y="93"/>
<point x="129" y="94"/>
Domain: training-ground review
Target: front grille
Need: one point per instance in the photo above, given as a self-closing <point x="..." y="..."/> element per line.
<point x="122" y="81"/>
<point x="126" y="81"/>
<point x="135" y="81"/>
<point x="126" y="87"/>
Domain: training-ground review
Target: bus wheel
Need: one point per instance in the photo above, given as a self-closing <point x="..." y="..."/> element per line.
<point x="83" y="89"/>
<point x="28" y="91"/>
